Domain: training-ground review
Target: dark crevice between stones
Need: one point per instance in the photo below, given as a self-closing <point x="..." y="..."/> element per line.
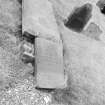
<point x="18" y="33"/>
<point x="28" y="37"/>
<point x="45" y="89"/>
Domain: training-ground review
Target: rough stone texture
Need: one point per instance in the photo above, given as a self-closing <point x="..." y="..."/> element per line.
<point x="44" y="23"/>
<point x="49" y="64"/>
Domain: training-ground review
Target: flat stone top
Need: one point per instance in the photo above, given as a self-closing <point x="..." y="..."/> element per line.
<point x="49" y="64"/>
<point x="38" y="16"/>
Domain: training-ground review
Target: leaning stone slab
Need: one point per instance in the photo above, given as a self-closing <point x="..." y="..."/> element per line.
<point x="49" y="64"/>
<point x="38" y="17"/>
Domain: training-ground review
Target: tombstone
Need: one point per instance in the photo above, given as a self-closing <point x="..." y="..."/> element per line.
<point x="49" y="64"/>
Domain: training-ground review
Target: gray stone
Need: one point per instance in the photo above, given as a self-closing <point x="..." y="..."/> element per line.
<point x="49" y="64"/>
<point x="38" y="17"/>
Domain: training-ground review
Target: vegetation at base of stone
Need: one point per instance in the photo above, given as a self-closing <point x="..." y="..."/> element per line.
<point x="79" y="18"/>
<point x="11" y="67"/>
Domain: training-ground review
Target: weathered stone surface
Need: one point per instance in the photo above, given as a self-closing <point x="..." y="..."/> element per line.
<point x="85" y="62"/>
<point x="93" y="31"/>
<point x="49" y="64"/>
<point x="38" y="17"/>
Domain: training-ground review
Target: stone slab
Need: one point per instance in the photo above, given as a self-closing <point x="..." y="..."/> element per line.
<point x="49" y="64"/>
<point x="38" y="17"/>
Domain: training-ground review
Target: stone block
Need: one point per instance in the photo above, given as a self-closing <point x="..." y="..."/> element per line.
<point x="38" y="17"/>
<point x="49" y="64"/>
